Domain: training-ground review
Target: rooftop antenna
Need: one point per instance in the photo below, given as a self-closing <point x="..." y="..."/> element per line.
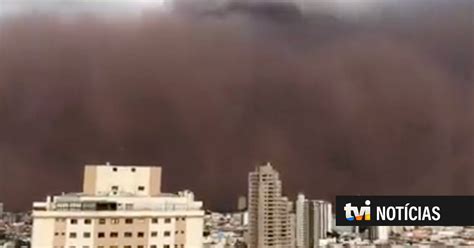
<point x="107" y="163"/>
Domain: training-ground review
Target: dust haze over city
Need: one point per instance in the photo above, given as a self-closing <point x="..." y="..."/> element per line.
<point x="376" y="99"/>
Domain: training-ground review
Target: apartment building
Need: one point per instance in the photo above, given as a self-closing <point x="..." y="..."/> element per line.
<point x="120" y="207"/>
<point x="313" y="222"/>
<point x="270" y="221"/>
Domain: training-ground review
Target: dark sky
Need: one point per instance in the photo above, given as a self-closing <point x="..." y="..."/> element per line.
<point x="375" y="104"/>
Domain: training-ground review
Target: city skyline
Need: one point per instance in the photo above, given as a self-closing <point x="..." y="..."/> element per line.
<point x="124" y="206"/>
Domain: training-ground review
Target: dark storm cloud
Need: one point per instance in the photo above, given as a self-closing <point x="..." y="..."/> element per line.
<point x="379" y="105"/>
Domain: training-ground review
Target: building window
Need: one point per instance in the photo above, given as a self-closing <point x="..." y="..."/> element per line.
<point x="133" y="169"/>
<point x="127" y="246"/>
<point x="72" y="235"/>
<point x="154" y="220"/>
<point x="153" y="246"/>
<point x="167" y="233"/>
<point x="86" y="235"/>
<point x="115" y="188"/>
<point x="101" y="235"/>
<point x="101" y="221"/>
<point x="128" y="235"/>
<point x="166" y="246"/>
<point x="115" y="221"/>
<point x="73" y="221"/>
<point x="129" y="221"/>
<point x="115" y="169"/>
<point x="140" y="246"/>
<point x="168" y="220"/>
<point x="154" y="234"/>
<point x="87" y="221"/>
<point x="114" y="234"/>
<point x="141" y="234"/>
<point x="141" y="188"/>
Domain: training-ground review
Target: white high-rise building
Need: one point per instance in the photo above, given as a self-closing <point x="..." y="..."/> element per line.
<point x="269" y="212"/>
<point x="120" y="207"/>
<point x="301" y="224"/>
<point x="313" y="222"/>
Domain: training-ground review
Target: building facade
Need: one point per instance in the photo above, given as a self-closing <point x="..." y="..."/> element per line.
<point x="117" y="180"/>
<point x="120" y="207"/>
<point x="269" y="213"/>
<point x="313" y="222"/>
<point x="301" y="223"/>
<point x="242" y="203"/>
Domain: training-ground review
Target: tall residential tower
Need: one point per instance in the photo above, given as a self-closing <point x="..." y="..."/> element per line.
<point x="313" y="222"/>
<point x="270" y="224"/>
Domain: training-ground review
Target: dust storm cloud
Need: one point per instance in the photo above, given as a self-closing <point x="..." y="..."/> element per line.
<point x="380" y="104"/>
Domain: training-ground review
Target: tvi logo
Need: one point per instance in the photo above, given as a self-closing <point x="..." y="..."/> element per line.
<point x="362" y="213"/>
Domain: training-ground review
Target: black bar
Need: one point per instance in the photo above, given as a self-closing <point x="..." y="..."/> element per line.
<point x="406" y="210"/>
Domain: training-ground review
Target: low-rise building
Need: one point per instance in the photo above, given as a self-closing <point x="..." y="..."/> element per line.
<point x="120" y="206"/>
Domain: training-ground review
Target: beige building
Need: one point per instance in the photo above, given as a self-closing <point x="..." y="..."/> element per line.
<point x="270" y="221"/>
<point x="117" y="180"/>
<point x="120" y="207"/>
